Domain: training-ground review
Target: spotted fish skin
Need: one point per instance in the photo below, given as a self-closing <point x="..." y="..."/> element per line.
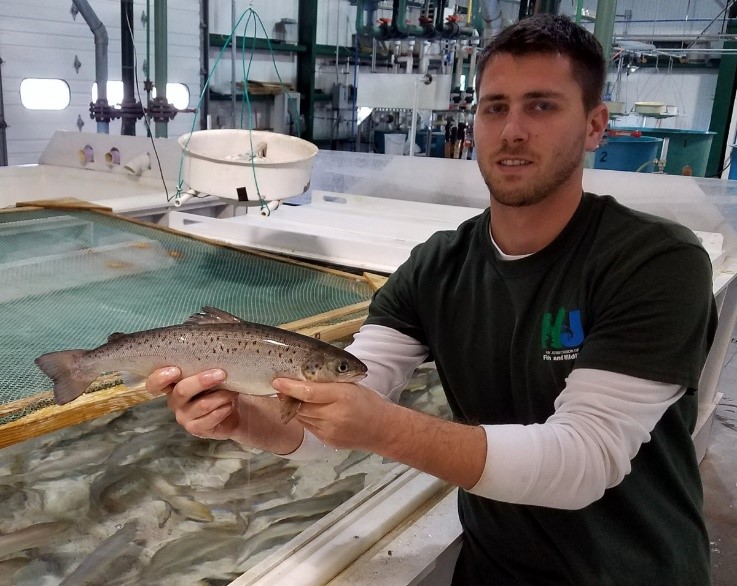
<point x="251" y="354"/>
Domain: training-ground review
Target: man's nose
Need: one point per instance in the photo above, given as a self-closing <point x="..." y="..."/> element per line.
<point x="514" y="129"/>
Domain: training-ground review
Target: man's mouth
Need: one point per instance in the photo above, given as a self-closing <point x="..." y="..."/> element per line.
<point x="514" y="162"/>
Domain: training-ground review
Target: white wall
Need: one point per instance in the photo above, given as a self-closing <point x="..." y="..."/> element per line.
<point x="691" y="90"/>
<point x="673" y="16"/>
<point x="39" y="38"/>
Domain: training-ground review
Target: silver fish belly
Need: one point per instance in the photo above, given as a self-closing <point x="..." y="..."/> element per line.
<point x="252" y="355"/>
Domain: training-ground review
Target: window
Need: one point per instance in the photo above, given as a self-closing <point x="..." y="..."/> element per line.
<point x="114" y="92"/>
<point x="176" y="93"/>
<point x="44" y="94"/>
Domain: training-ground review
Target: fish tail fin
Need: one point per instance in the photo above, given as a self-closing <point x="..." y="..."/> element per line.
<point x="61" y="367"/>
<point x="288" y="408"/>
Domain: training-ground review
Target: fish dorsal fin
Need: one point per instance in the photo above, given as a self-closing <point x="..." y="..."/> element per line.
<point x="213" y="315"/>
<point x="115" y="336"/>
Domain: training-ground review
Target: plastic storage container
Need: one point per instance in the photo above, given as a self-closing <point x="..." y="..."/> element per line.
<point x="627" y="153"/>
<point x="686" y="148"/>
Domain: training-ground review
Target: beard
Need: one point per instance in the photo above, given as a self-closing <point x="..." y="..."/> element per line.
<point x="535" y="189"/>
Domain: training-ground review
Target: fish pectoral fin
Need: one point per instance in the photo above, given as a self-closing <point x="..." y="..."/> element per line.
<point x="289" y="408"/>
<point x="213" y="315"/>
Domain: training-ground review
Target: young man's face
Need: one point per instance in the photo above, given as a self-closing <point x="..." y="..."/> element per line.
<point x="531" y="128"/>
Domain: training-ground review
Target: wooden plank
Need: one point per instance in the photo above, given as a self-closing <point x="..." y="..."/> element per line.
<point x="25" y="403"/>
<point x="62" y="203"/>
<point x="375" y="281"/>
<point x="315" y="320"/>
<point x="334" y="332"/>
<point x="84" y="408"/>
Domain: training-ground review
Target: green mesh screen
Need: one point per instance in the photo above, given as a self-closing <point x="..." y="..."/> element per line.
<point x="70" y="278"/>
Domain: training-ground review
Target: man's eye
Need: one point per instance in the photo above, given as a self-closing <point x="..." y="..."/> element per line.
<point x="496" y="108"/>
<point x="543" y="106"/>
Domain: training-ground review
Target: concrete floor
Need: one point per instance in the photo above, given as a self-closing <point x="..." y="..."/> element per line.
<point x="719" y="474"/>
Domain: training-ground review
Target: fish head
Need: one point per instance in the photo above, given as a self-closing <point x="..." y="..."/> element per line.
<point x="327" y="366"/>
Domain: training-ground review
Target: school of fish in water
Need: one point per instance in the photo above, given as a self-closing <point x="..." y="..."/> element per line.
<point x="131" y="498"/>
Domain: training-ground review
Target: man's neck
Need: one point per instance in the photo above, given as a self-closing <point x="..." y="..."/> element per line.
<point x="528" y="229"/>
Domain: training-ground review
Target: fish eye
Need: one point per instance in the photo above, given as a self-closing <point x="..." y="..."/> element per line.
<point x="342" y="366"/>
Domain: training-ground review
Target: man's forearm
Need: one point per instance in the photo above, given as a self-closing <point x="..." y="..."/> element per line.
<point x="451" y="451"/>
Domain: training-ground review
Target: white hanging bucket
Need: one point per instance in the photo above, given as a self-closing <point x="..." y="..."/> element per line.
<point x="224" y="162"/>
<point x="394" y="144"/>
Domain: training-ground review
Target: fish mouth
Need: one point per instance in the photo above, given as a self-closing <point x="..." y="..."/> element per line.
<point x="354" y="378"/>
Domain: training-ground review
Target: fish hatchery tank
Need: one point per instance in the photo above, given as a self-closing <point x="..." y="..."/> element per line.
<point x="112" y="490"/>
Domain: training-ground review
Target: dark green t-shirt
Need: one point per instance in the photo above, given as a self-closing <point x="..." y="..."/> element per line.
<point x="617" y="290"/>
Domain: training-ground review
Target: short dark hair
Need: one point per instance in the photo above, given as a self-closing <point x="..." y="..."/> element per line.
<point x="553" y="34"/>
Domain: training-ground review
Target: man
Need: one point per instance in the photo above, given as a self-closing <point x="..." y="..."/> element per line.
<point x="569" y="333"/>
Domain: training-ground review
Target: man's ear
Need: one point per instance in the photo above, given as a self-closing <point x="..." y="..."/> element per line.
<point x="598" y="119"/>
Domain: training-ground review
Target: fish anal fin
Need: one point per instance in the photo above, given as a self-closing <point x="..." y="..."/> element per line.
<point x="288" y="409"/>
<point x="213" y="315"/>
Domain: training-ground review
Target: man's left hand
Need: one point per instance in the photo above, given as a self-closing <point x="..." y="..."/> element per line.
<point x="342" y="415"/>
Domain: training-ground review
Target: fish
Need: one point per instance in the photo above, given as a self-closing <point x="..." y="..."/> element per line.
<point x="93" y="569"/>
<point x="307" y="508"/>
<point x="354" y="457"/>
<point x="178" y="555"/>
<point x="68" y="462"/>
<point x="257" y="469"/>
<point x="11" y="566"/>
<point x="251" y="354"/>
<point x="275" y="534"/>
<point x="116" y="489"/>
<point x="283" y="482"/>
<point x="353" y="483"/>
<point x="33" y="536"/>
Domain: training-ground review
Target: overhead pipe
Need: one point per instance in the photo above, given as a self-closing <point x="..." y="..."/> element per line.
<point x="100" y="110"/>
<point x="524" y="9"/>
<point x="397" y="27"/>
<point x="131" y="110"/>
<point x="606" y="11"/>
<point x="158" y="108"/>
<point x="546" y="7"/>
<point x="579" y="11"/>
<point x="147" y="85"/>
<point x="367" y="26"/>
<point x="204" y="60"/>
<point x="491" y="16"/>
<point x="160" y="103"/>
<point x="400" y="28"/>
<point x="439" y="12"/>
<point x="449" y="28"/>
<point x="3" y="125"/>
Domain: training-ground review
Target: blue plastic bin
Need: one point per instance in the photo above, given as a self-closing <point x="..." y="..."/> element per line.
<point x="627" y="153"/>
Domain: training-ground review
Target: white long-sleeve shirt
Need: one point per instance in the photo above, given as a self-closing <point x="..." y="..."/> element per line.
<point x="600" y="421"/>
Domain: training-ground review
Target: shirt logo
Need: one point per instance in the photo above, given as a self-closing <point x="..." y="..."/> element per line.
<point x="561" y="337"/>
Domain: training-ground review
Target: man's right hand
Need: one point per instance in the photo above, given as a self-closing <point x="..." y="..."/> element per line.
<point x="206" y="411"/>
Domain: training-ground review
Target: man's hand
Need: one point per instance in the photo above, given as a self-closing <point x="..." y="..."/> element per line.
<point x="343" y="415"/>
<point x="346" y="415"/>
<point x="208" y="412"/>
<point x="204" y="414"/>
